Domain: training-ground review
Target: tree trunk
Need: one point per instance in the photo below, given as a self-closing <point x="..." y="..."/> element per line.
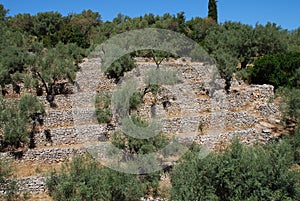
<point x="49" y="91"/>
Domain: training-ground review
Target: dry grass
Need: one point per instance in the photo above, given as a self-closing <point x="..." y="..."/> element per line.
<point x="164" y="188"/>
<point x="40" y="197"/>
<point x="61" y="125"/>
<point x="202" y="96"/>
<point x="78" y="146"/>
<point x="26" y="169"/>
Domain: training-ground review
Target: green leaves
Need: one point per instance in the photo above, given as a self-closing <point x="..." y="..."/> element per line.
<point x="212" y="10"/>
<point x="133" y="145"/>
<point x="57" y="64"/>
<point x="29" y="105"/>
<point x="278" y="70"/>
<point x="135" y="100"/>
<point x="84" y="179"/>
<point x="16" y="118"/>
<point x="198" y="27"/>
<point x="290" y="107"/>
<point x="294" y="40"/>
<point x="120" y="66"/>
<point x="53" y="65"/>
<point x="24" y="60"/>
<point x="3" y="13"/>
<point x="9" y="185"/>
<point x="103" y="111"/>
<point x="235" y="45"/>
<point x="5" y="169"/>
<point x="47" y="23"/>
<point x="261" y="172"/>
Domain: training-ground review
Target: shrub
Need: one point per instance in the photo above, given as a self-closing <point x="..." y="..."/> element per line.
<point x="103" y="111"/>
<point x="103" y="115"/>
<point x="290" y="107"/>
<point x="139" y="146"/>
<point x="278" y="70"/>
<point x="120" y="66"/>
<point x="154" y="88"/>
<point x="201" y="127"/>
<point x="135" y="100"/>
<point x="84" y="179"/>
<point x="240" y="173"/>
<point x="133" y="148"/>
<point x="18" y="119"/>
<point x="8" y="184"/>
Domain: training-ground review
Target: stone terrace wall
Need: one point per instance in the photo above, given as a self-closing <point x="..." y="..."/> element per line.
<point x="195" y="100"/>
<point x="242" y="112"/>
<point x="50" y="155"/>
<point x="33" y="184"/>
<point x="242" y="108"/>
<point x="45" y="155"/>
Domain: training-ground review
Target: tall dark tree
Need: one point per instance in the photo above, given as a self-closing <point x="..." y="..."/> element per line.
<point x="3" y="13"/>
<point x="212" y="10"/>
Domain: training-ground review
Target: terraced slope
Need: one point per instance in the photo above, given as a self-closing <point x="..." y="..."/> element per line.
<point x="194" y="109"/>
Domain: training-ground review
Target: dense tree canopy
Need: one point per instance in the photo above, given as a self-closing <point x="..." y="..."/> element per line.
<point x="278" y="70"/>
<point x="235" y="45"/>
<point x="290" y="107"/>
<point x="240" y="173"/>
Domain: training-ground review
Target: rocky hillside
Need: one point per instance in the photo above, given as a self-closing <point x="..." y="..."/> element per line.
<point x="196" y="108"/>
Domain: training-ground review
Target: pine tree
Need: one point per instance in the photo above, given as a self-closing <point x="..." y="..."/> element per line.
<point x="212" y="10"/>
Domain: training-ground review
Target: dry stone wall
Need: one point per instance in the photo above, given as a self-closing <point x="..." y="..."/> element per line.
<point x="33" y="184"/>
<point x="189" y="103"/>
<point x="50" y="155"/>
<point x="245" y="112"/>
<point x="74" y="121"/>
<point x="196" y="100"/>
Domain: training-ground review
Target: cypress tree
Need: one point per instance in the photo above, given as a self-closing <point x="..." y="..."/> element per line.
<point x="212" y="10"/>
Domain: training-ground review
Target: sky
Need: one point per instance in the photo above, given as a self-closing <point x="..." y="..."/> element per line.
<point x="285" y="13"/>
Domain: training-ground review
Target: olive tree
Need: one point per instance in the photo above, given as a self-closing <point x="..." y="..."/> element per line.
<point x="84" y="179"/>
<point x="18" y="120"/>
<point x="49" y="67"/>
<point x="240" y="173"/>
